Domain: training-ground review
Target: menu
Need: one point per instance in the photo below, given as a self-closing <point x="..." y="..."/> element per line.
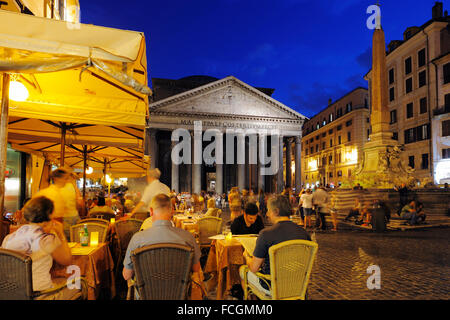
<point x="248" y="242"/>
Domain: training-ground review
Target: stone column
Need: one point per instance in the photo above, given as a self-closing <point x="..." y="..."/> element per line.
<point x="175" y="174"/>
<point x="288" y="162"/>
<point x="196" y="168"/>
<point x="298" y="164"/>
<point x="153" y="149"/>
<point x="219" y="166"/>
<point x="280" y="178"/>
<point x="189" y="166"/>
<point x="260" y="165"/>
<point x="240" y="167"/>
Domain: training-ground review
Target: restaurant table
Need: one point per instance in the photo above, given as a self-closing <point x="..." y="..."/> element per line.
<point x="179" y="218"/>
<point x="224" y="259"/>
<point x="96" y="266"/>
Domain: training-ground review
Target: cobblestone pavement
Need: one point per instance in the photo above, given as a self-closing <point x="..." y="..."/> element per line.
<point x="413" y="265"/>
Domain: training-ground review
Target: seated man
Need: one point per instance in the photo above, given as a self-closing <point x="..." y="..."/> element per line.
<point x="162" y="231"/>
<point x="102" y="209"/>
<point x="283" y="229"/>
<point x="248" y="223"/>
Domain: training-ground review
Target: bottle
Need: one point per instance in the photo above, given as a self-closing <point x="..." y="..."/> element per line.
<point x="84" y="238"/>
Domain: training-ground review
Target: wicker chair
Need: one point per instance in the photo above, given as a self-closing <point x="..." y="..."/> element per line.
<point x="16" y="281"/>
<point x="290" y="269"/>
<point x="125" y="229"/>
<point x="207" y="227"/>
<point x="102" y="230"/>
<point x="102" y="215"/>
<point x="163" y="271"/>
<point x="141" y="215"/>
<point x="95" y="220"/>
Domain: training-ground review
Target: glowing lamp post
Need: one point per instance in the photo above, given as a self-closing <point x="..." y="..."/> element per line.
<point x="108" y="181"/>
<point x="17" y="91"/>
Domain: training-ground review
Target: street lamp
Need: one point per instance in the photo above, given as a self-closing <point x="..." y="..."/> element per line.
<point x="17" y="91"/>
<point x="108" y="181"/>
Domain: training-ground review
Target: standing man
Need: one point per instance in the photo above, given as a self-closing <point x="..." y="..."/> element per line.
<point x="153" y="188"/>
<point x="321" y="200"/>
<point x="64" y="197"/>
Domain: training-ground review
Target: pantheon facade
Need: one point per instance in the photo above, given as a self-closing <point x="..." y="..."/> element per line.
<point x="225" y="105"/>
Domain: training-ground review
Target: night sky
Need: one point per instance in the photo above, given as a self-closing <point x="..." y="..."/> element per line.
<point x="307" y="50"/>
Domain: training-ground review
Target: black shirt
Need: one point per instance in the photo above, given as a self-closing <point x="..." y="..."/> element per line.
<point x="239" y="227"/>
<point x="279" y="232"/>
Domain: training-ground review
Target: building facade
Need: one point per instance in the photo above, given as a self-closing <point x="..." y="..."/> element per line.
<point x="333" y="140"/>
<point x="417" y="93"/>
<point x="225" y="105"/>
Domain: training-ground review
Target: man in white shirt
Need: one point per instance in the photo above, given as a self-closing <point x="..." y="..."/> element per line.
<point x="321" y="200"/>
<point x="306" y="202"/>
<point x="153" y="188"/>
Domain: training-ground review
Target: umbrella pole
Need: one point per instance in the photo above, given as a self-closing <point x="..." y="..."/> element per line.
<point x="63" y="144"/>
<point x="3" y="138"/>
<point x="84" y="171"/>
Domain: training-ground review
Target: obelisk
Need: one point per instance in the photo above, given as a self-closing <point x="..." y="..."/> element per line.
<point x="380" y="136"/>
<point x="379" y="117"/>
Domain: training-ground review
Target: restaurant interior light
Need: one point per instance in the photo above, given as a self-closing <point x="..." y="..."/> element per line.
<point x="108" y="179"/>
<point x="89" y="170"/>
<point x="17" y="91"/>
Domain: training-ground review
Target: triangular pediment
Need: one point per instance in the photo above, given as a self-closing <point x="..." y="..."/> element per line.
<point x="228" y="96"/>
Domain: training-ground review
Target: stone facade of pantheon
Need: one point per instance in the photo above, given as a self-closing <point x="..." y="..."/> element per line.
<point x="234" y="110"/>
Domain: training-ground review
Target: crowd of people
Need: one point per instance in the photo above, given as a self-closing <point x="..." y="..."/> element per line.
<point x="45" y="220"/>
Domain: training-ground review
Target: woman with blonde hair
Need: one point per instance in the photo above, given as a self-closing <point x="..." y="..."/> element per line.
<point x="212" y="210"/>
<point x="236" y="209"/>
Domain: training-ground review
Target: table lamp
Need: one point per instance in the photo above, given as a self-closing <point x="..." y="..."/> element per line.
<point x="113" y="220"/>
<point x="94" y="239"/>
<point x="229" y="236"/>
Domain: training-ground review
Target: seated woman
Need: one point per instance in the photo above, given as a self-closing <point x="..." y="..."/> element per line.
<point x="354" y="212"/>
<point x="212" y="210"/>
<point x="44" y="241"/>
<point x="236" y="209"/>
<point x="366" y="216"/>
<point x="102" y="209"/>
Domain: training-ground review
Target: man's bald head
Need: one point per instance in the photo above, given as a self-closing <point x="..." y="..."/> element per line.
<point x="161" y="207"/>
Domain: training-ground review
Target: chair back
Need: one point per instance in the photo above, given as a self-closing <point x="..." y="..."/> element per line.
<point x="207" y="227"/>
<point x="141" y="215"/>
<point x="15" y="276"/>
<point x="125" y="229"/>
<point x="163" y="271"/>
<point x="290" y="268"/>
<point x="102" y="216"/>
<point x="101" y="228"/>
<point x="95" y="220"/>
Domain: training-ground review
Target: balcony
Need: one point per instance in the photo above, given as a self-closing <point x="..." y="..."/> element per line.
<point x="442" y="110"/>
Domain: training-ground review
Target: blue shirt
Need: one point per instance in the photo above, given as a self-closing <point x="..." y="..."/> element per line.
<point x="161" y="231"/>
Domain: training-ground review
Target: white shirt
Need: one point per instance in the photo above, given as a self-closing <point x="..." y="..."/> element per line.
<point x="321" y="199"/>
<point x="31" y="239"/>
<point x="307" y="200"/>
<point x="154" y="188"/>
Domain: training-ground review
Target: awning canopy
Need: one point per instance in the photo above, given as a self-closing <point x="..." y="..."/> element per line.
<point x="75" y="72"/>
<point x="92" y="80"/>
<point x="117" y="149"/>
